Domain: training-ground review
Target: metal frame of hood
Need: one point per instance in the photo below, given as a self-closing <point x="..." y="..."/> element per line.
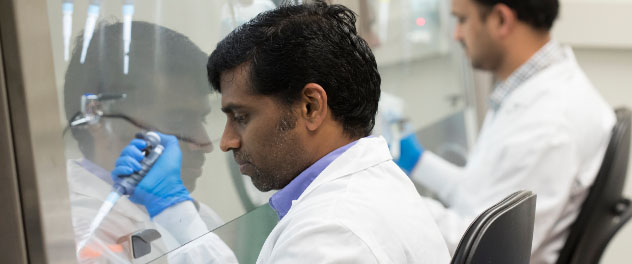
<point x="12" y="243"/>
<point x="35" y="192"/>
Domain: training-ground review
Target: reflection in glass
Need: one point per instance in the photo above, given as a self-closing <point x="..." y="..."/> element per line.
<point x="168" y="93"/>
<point x="91" y="112"/>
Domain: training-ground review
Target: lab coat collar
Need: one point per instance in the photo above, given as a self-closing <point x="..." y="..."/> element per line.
<point x="95" y="170"/>
<point x="367" y="152"/>
<point x="533" y="88"/>
<point x="281" y="201"/>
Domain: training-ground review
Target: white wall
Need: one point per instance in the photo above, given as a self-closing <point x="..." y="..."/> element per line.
<point x="599" y="32"/>
<point x="611" y="72"/>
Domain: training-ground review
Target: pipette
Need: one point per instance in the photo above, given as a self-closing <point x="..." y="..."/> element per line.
<point x="128" y="13"/>
<point x="67" y="8"/>
<point x="88" y="30"/>
<point x="126" y="185"/>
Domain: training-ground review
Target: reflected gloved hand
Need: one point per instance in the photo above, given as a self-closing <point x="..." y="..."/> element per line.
<point x="410" y="153"/>
<point x="162" y="186"/>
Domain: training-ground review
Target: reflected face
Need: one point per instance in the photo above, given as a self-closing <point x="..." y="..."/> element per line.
<point x="261" y="132"/>
<point x="179" y="106"/>
<point x="472" y="32"/>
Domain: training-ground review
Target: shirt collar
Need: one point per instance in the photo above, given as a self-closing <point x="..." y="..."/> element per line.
<point x="549" y="54"/>
<point x="281" y="201"/>
<point x="95" y="169"/>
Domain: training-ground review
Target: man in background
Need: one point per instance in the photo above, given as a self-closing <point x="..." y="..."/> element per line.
<point x="546" y="130"/>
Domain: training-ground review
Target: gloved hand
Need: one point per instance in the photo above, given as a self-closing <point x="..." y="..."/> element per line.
<point x="162" y="186"/>
<point x="410" y="153"/>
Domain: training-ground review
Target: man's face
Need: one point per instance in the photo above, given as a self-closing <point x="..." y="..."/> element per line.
<point x="261" y="132"/>
<point x="472" y="32"/>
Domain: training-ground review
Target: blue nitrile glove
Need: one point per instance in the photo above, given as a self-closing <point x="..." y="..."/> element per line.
<point x="410" y="153"/>
<point x="162" y="186"/>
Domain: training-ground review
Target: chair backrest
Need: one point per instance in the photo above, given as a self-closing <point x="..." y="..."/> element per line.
<point x="605" y="210"/>
<point x="501" y="234"/>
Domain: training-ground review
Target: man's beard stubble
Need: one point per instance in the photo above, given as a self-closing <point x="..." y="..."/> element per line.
<point x="283" y="157"/>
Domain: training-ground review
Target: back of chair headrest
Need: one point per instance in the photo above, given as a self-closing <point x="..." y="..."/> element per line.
<point x="510" y="218"/>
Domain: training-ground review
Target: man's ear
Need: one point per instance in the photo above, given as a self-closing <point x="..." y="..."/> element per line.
<point x="503" y="20"/>
<point x="314" y="108"/>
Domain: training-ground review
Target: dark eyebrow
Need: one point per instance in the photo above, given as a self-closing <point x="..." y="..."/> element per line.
<point x="456" y="12"/>
<point x="229" y="108"/>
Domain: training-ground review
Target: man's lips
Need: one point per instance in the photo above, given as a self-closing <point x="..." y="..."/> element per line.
<point x="241" y="161"/>
<point x="243" y="165"/>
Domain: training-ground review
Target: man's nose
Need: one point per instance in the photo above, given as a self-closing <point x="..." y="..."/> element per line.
<point x="230" y="140"/>
<point x="458" y="34"/>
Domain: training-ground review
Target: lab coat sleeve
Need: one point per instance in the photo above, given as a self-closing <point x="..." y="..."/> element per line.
<point x="546" y="162"/>
<point x="437" y="174"/>
<point x="183" y="222"/>
<point x="320" y="241"/>
<point x="451" y="223"/>
<point x="208" y="249"/>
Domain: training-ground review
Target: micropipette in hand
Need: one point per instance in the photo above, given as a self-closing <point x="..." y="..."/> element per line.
<point x="127" y="184"/>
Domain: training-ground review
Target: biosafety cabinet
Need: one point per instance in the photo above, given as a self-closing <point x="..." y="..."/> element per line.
<point x="79" y="78"/>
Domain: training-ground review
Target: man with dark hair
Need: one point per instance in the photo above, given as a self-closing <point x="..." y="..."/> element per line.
<point x="547" y="128"/>
<point x="300" y="90"/>
<point x="166" y="93"/>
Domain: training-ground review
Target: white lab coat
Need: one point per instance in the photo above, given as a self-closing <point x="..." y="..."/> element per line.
<point x="177" y="225"/>
<point x="549" y="136"/>
<point x="361" y="209"/>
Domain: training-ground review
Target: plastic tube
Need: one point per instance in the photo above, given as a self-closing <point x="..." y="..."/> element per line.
<point x="67" y="8"/>
<point x="382" y="19"/>
<point x="128" y="13"/>
<point x="105" y="209"/>
<point x="91" y="21"/>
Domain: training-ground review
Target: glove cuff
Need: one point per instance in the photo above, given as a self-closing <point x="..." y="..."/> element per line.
<point x="411" y="153"/>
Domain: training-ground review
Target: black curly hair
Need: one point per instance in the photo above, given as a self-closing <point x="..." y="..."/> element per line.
<point x="293" y="45"/>
<point x="540" y="14"/>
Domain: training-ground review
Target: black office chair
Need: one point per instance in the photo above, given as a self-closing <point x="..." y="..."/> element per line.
<point x="502" y="234"/>
<point x="605" y="210"/>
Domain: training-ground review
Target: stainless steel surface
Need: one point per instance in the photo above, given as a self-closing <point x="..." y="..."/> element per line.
<point x="36" y="130"/>
<point x="447" y="138"/>
<point x="12" y="243"/>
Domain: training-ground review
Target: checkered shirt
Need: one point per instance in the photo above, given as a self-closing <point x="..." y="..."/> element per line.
<point x="550" y="54"/>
